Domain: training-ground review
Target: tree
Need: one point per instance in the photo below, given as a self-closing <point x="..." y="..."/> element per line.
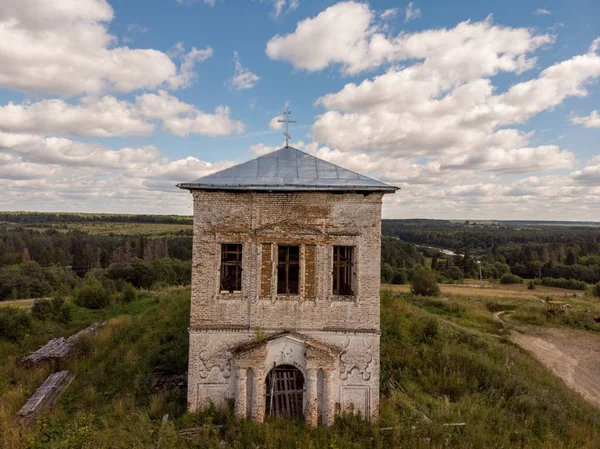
<point x="92" y="294"/>
<point x="424" y="282"/>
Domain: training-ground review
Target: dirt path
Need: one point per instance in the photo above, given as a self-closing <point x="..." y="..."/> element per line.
<point x="571" y="354"/>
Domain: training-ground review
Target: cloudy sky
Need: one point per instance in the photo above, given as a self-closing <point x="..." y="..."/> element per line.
<point x="477" y="110"/>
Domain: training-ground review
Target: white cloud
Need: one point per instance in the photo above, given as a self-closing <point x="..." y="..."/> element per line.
<point x="61" y="174"/>
<point x="262" y="149"/>
<point x="242" y="77"/>
<point x="590" y="121"/>
<point x="275" y="123"/>
<point x="213" y="125"/>
<point x="424" y="111"/>
<point x="279" y="7"/>
<point x="389" y="14"/>
<point x="109" y="117"/>
<point x="103" y="117"/>
<point x="411" y="12"/>
<point x="542" y="12"/>
<point x="64" y="47"/>
<point x="349" y="35"/>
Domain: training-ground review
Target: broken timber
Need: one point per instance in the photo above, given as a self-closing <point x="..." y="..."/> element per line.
<point x="57" y="348"/>
<point x="47" y="394"/>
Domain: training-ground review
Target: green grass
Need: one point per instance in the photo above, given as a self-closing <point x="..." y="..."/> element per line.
<point x="436" y="359"/>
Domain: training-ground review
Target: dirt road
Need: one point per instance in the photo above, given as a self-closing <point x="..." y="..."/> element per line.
<point x="572" y="355"/>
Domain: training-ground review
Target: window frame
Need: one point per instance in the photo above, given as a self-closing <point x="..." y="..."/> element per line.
<point x="338" y="268"/>
<point x="237" y="264"/>
<point x="288" y="264"/>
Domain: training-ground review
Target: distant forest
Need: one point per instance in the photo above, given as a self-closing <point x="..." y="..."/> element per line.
<point x="525" y="249"/>
<point x="45" y="253"/>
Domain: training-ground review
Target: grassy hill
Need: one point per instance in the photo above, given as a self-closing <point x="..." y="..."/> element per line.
<point x="440" y="359"/>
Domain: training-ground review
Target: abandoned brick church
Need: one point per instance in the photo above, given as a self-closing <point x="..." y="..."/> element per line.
<point x="285" y="289"/>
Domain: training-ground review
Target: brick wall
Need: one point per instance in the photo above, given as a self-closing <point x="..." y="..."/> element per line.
<point x="261" y="221"/>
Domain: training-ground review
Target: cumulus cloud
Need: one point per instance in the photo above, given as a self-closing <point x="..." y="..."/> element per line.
<point x="217" y="124"/>
<point x="590" y="121"/>
<point x="542" y="12"/>
<point x="242" y="77"/>
<point x="275" y="123"/>
<point x="64" y="47"/>
<point x="423" y="111"/>
<point x="107" y="117"/>
<point x="62" y="174"/>
<point x="347" y="34"/>
<point x="411" y="12"/>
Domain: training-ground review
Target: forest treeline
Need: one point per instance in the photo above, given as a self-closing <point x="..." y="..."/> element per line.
<point x="39" y="258"/>
<point x="38" y="263"/>
<point x="533" y="250"/>
<point x="66" y="217"/>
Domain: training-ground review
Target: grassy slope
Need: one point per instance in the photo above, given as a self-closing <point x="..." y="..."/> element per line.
<point x="431" y="364"/>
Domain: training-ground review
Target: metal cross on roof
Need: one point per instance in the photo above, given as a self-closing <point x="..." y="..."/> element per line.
<point x="287" y="121"/>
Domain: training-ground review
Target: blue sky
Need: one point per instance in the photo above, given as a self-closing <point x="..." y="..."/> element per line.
<point x="492" y="118"/>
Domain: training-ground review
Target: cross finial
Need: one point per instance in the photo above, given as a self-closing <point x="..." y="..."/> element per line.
<point x="287" y="121"/>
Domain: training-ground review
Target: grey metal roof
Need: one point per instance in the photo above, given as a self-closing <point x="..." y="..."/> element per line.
<point x="288" y="169"/>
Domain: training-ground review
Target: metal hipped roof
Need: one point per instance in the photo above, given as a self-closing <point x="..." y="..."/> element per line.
<point x="288" y="169"/>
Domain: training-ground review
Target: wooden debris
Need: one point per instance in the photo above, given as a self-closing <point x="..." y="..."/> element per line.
<point x="57" y="348"/>
<point x="46" y="395"/>
<point x="194" y="431"/>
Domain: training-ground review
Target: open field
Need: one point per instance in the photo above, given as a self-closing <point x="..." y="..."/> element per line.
<point x="18" y="303"/>
<point x="108" y="228"/>
<point x="515" y="291"/>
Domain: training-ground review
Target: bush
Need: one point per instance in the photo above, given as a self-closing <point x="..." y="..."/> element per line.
<point x="596" y="290"/>
<point x="509" y="278"/>
<point x="399" y="278"/>
<point x="129" y="293"/>
<point x="571" y="284"/>
<point x="424" y="282"/>
<point x="14" y="323"/>
<point x="41" y="309"/>
<point x="92" y="294"/>
<point x="531" y="284"/>
<point x="61" y="312"/>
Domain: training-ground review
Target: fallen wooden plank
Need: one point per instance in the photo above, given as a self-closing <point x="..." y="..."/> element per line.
<point x="57" y="348"/>
<point x="47" y="394"/>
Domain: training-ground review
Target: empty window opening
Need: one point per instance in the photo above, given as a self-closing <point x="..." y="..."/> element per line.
<point x="288" y="270"/>
<point x="231" y="267"/>
<point x="285" y="392"/>
<point x="343" y="267"/>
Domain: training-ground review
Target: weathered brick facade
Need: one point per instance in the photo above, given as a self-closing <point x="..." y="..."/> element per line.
<point x="236" y="338"/>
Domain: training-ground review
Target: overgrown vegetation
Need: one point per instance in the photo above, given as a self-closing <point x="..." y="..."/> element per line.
<point x="435" y="361"/>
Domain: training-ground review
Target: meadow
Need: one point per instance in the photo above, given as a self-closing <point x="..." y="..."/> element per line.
<point x="450" y="378"/>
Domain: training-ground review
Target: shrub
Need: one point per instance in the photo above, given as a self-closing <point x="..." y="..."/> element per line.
<point x="596" y="290"/>
<point x="424" y="282"/>
<point x="41" y="309"/>
<point x="92" y="294"/>
<point x="399" y="277"/>
<point x="129" y="293"/>
<point x="531" y="284"/>
<point x="571" y="284"/>
<point x="61" y="312"/>
<point x="509" y="278"/>
<point x="14" y="323"/>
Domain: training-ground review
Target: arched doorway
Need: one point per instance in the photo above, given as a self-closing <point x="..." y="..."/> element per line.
<point x="285" y="392"/>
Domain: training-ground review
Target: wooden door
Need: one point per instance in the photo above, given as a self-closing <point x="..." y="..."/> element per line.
<point x="285" y="392"/>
